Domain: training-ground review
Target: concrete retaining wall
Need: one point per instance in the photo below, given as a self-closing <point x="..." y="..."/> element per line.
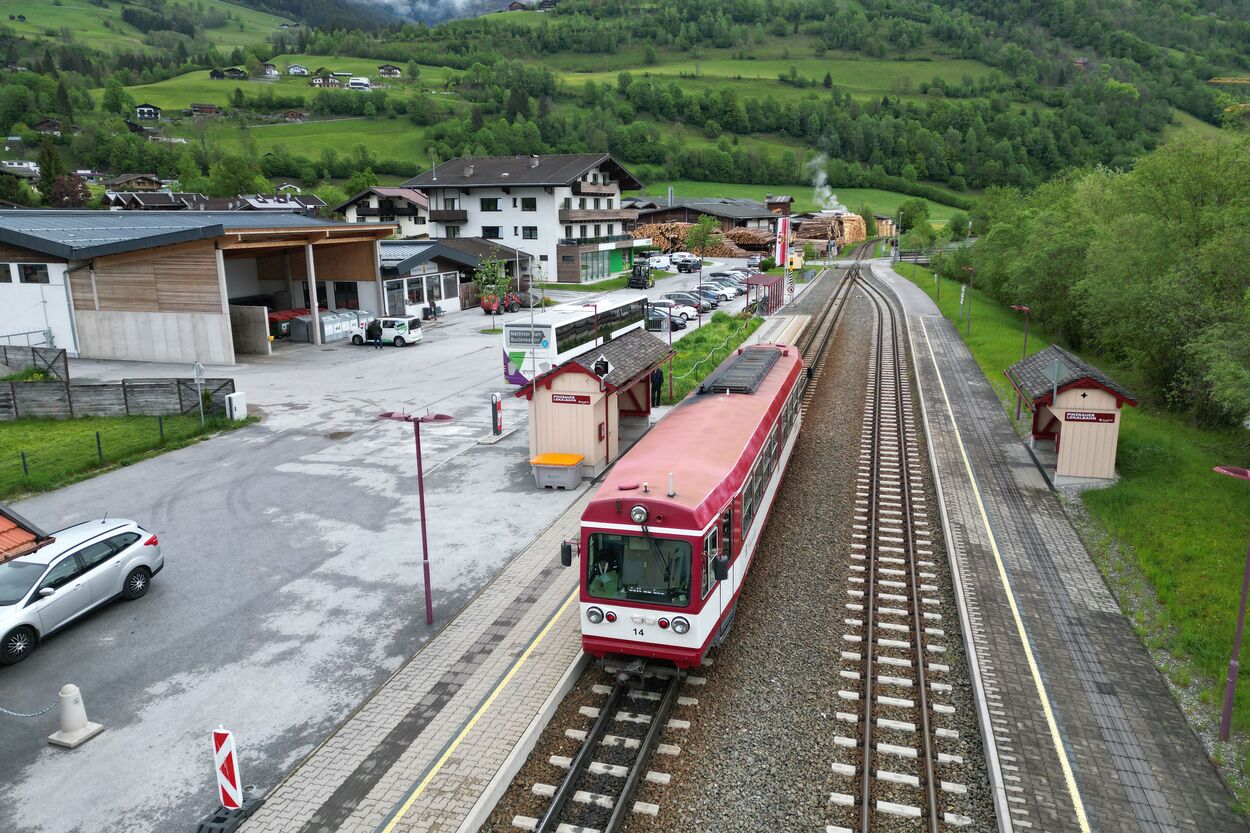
<point x="249" y="327"/>
<point x="155" y="336"/>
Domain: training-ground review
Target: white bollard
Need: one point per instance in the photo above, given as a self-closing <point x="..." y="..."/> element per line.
<point x="76" y="729"/>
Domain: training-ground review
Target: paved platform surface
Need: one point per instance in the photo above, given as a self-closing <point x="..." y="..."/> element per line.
<point x="1087" y="732"/>
<point x="419" y="753"/>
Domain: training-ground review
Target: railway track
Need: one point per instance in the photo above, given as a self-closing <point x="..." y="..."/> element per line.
<point x="892" y="679"/>
<point x="613" y="758"/>
<point x="815" y="340"/>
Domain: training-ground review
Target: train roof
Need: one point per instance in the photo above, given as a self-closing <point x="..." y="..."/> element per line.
<point x="708" y="442"/>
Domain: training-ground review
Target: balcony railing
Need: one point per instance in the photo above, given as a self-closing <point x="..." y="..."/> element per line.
<point x="597" y="215"/>
<point x="595" y="189"/>
<point x="449" y="215"/>
<point x="397" y="211"/>
<point x="607" y="238"/>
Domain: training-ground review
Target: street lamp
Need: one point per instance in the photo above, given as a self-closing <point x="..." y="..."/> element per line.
<point x="1234" y="666"/>
<point x="1024" y="354"/>
<point x="425" y="544"/>
<point x="935" y="262"/>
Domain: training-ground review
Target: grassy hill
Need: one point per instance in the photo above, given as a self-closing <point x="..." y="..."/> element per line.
<point x="102" y="27"/>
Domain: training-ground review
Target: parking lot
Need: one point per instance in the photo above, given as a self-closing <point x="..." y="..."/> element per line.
<point x="292" y="585"/>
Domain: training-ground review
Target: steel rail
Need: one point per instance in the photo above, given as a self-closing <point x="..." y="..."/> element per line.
<point x="548" y="823"/>
<point x="643" y="760"/>
<point x="898" y="352"/>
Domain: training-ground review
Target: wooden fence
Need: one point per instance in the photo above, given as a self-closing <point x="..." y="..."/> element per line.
<point x="128" y="397"/>
<point x="48" y="359"/>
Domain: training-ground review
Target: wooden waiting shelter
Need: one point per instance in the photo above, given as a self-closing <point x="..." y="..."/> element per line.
<point x="1074" y="405"/>
<point x="579" y="411"/>
<point x="769" y="292"/>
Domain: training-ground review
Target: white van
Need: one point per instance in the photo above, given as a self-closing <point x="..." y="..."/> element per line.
<point x="396" y="329"/>
<point x="359" y="83"/>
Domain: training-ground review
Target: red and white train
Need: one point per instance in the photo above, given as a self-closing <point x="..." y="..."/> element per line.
<point x="667" y="541"/>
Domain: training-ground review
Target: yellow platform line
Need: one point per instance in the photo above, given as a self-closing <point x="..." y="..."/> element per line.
<point x="1068" y="777"/>
<point x="477" y="715"/>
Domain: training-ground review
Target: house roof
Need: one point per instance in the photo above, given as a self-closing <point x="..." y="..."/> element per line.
<point x="486" y="171"/>
<point x="278" y="202"/>
<point x="399" y="257"/>
<point x="124" y="178"/>
<point x="82" y="234"/>
<point x="149" y="106"/>
<point x="410" y="194"/>
<point x="779" y="198"/>
<point x="18" y="536"/>
<point x="631" y="356"/>
<point x="730" y="208"/>
<point x="1029" y="376"/>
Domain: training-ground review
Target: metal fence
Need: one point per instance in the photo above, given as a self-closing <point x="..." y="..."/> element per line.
<point x="48" y="359"/>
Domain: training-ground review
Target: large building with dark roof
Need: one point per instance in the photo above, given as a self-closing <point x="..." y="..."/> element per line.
<point x="729" y="213"/>
<point x="175" y="286"/>
<point x="565" y="209"/>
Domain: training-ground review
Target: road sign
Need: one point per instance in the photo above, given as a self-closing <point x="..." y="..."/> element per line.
<point x="1054" y="372"/>
<point x="198" y="370"/>
<point x="963" y="290"/>
<point x="226" y="763"/>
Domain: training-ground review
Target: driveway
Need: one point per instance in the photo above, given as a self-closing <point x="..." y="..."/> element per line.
<point x="292" y="587"/>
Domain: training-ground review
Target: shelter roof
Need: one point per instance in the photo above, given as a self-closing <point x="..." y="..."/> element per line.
<point x="487" y="171"/>
<point x="1029" y="376"/>
<point x="402" y="256"/>
<point x="18" y="536"/>
<point x="81" y="234"/>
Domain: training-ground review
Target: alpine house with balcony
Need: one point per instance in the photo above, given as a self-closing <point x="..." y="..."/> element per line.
<point x="564" y="209"/>
<point x="404" y="206"/>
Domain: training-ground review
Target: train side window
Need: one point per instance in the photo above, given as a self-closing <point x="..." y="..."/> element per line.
<point x="711" y="549"/>
<point x="727" y="533"/>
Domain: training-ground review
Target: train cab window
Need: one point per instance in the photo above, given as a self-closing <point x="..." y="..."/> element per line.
<point x="711" y="549"/>
<point x="727" y="533"/>
<point x="638" y="568"/>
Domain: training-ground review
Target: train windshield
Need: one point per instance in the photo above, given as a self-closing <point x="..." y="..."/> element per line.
<point x="639" y="569"/>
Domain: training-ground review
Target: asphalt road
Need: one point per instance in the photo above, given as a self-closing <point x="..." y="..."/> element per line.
<point x="292" y="583"/>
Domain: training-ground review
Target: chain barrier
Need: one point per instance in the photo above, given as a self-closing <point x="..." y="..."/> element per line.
<point x="695" y="366"/>
<point x="55" y="703"/>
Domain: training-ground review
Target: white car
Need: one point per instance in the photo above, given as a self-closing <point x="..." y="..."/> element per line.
<point x="678" y="310"/>
<point x="81" y="568"/>
<point x="396" y="329"/>
<point x="723" y="293"/>
<point x="683" y="257"/>
<point x="659" y="261"/>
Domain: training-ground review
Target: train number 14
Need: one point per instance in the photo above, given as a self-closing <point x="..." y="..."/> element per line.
<point x="638" y="632"/>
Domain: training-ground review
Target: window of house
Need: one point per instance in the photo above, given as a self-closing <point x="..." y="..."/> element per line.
<point x="568" y="231"/>
<point x="6" y="272"/>
<point x="450" y="203"/>
<point x="610" y="201"/>
<point x="581" y="202"/>
<point x="582" y="232"/>
<point x="529" y="203"/>
<point x="567" y="202"/>
<point x="492" y="232"/>
<point x="598" y="230"/>
<point x="490" y="203"/>
<point x="514" y="202"/>
<point x="33" y="272"/>
<point x="529" y="232"/>
<point x="453" y="231"/>
<point x="514" y="231"/>
<point x="542" y="257"/>
<point x="610" y="228"/>
<point x="597" y="202"/>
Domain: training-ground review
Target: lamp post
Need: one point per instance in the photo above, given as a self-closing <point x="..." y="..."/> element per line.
<point x="1234" y="666"/>
<point x="937" y="282"/>
<point x="1024" y="353"/>
<point x="425" y="544"/>
<point x="972" y="274"/>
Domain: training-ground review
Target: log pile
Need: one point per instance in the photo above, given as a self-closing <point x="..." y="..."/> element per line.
<point x="843" y="229"/>
<point x="751" y="239"/>
<point x="671" y="237"/>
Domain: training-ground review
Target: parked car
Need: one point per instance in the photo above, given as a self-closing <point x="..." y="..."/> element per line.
<point x="492" y="304"/>
<point x="683" y="311"/>
<point x="656" y="260"/>
<point x="396" y="329"/>
<point x="722" y="292"/>
<point x="657" y="318"/>
<point x="754" y="261"/>
<point x="712" y="296"/>
<point x="730" y="284"/>
<point x="687" y="266"/>
<point x="84" y="566"/>
<point x="693" y="299"/>
<point x="684" y="257"/>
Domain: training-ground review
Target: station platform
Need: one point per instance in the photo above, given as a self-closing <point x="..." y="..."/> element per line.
<point x="434" y="747"/>
<point x="1085" y="732"/>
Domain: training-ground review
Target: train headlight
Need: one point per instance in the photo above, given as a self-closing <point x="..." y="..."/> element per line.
<point x="638" y="514"/>
<point x="681" y="624"/>
<point x="594" y="614"/>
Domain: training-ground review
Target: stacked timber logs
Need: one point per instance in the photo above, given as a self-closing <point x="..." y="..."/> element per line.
<point x="671" y="237"/>
<point x="843" y="229"/>
<point x="750" y="238"/>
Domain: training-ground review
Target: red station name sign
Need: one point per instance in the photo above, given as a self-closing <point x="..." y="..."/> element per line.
<point x="1088" y="416"/>
<point x="570" y="399"/>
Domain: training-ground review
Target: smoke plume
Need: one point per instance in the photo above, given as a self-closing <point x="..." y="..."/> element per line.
<point x="821" y="192"/>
